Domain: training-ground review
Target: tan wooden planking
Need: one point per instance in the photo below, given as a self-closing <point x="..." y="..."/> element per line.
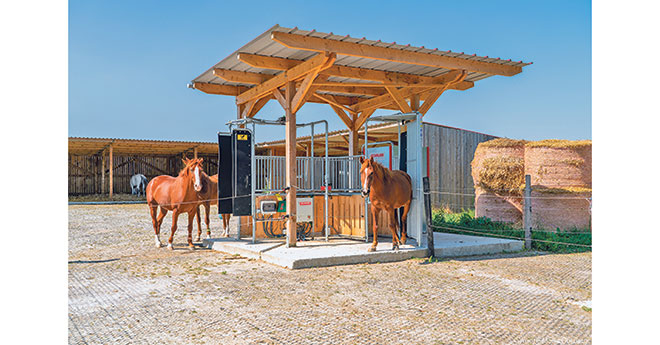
<point x="390" y="54"/>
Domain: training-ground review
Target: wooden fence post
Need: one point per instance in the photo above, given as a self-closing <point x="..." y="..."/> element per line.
<point x="527" y="214"/>
<point x="429" y="218"/>
<point x="111" y="166"/>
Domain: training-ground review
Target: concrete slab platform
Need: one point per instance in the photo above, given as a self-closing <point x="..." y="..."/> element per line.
<point x="342" y="252"/>
<point x="243" y="248"/>
<point x="319" y="253"/>
<point x="454" y="245"/>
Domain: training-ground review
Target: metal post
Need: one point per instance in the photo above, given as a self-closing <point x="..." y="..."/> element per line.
<point x="527" y="216"/>
<point x="253" y="159"/>
<point x="429" y="219"/>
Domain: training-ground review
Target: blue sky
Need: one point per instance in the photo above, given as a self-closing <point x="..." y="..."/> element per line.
<point x="130" y="61"/>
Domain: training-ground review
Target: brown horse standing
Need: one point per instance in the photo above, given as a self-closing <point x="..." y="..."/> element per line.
<point x="176" y="194"/>
<point x="387" y="190"/>
<point x="209" y="196"/>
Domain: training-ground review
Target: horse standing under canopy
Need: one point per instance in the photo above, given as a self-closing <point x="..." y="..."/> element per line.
<point x="177" y="194"/>
<point x="388" y="190"/>
<point x="209" y="196"/>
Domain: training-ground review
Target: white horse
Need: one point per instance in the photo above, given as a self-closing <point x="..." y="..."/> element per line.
<point x="138" y="184"/>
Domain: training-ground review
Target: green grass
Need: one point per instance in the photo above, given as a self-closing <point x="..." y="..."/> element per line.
<point x="466" y="223"/>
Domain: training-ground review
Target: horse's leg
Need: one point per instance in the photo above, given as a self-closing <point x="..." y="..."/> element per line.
<point x="374" y="217"/>
<point x="393" y="227"/>
<point x="153" y="209"/>
<point x="191" y="218"/>
<point x="175" y="218"/>
<point x="159" y="222"/>
<point x="404" y="223"/>
<point x="207" y="209"/>
<point x="225" y="223"/>
<point x="199" y="222"/>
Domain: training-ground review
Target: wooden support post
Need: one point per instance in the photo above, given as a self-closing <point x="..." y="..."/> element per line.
<point x="111" y="166"/>
<point x="414" y="102"/>
<point x="353" y="142"/>
<point x="103" y="172"/>
<point x="290" y="153"/>
<point x="527" y="214"/>
<point x="195" y="152"/>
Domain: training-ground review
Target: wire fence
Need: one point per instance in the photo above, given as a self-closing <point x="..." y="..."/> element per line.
<point x="576" y="238"/>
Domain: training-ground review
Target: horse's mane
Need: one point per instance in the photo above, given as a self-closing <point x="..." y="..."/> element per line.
<point x="380" y="170"/>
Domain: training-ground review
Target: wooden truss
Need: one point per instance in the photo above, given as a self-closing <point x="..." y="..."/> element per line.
<point x="294" y="82"/>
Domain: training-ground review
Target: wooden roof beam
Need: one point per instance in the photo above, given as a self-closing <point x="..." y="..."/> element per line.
<point x="407" y="92"/>
<point x="398" y="78"/>
<point x="389" y="54"/>
<point x="317" y="63"/>
<point x="215" y="89"/>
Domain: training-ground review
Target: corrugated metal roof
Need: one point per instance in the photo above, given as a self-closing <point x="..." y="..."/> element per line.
<point x="264" y="45"/>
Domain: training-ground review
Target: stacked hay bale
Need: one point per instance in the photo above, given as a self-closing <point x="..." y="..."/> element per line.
<point x="560" y="172"/>
<point x="498" y="175"/>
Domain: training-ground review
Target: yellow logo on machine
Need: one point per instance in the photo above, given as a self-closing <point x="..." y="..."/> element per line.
<point x="241" y="137"/>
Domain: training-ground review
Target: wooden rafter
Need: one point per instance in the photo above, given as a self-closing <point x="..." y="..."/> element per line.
<point x="215" y="89"/>
<point x="333" y="101"/>
<point x="398" y="99"/>
<point x="406" y="92"/>
<point x="248" y="108"/>
<point x="258" y="105"/>
<point x="240" y="76"/>
<point x="303" y="90"/>
<point x="435" y="94"/>
<point x="388" y="54"/>
<point x="395" y="78"/>
<point x="340" y="112"/>
<point x="280" y="98"/>
<point x="320" y="62"/>
<point x="231" y="90"/>
<point x="363" y="118"/>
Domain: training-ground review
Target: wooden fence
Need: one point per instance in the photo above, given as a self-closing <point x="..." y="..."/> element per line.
<point x="451" y="151"/>
<point x="85" y="172"/>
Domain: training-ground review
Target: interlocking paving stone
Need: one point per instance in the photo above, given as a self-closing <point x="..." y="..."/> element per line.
<point x="123" y="290"/>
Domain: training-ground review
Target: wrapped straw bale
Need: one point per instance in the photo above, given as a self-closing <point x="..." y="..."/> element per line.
<point x="498" y="174"/>
<point x="560" y="172"/>
<point x="559" y="163"/>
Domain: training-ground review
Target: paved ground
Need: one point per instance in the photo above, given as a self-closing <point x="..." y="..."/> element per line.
<point x="123" y="290"/>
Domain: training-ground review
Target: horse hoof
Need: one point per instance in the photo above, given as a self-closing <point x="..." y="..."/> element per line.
<point x="198" y="239"/>
<point x="169" y="246"/>
<point x="208" y="237"/>
<point x="395" y="247"/>
<point x="371" y="249"/>
<point x="191" y="247"/>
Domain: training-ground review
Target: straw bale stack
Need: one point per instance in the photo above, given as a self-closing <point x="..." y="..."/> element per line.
<point x="498" y="173"/>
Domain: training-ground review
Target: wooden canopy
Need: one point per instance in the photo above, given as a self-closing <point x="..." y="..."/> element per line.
<point x="354" y="76"/>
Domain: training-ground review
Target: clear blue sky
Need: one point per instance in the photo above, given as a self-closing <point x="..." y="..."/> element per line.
<point x="130" y="61"/>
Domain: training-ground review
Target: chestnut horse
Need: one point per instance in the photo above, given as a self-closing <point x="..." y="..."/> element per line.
<point x="209" y="196"/>
<point x="387" y="190"/>
<point x="177" y="194"/>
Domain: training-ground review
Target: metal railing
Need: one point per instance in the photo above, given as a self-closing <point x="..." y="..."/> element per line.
<point x="344" y="173"/>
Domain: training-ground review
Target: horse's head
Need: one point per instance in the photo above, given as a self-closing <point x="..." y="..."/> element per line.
<point x="367" y="171"/>
<point x="193" y="170"/>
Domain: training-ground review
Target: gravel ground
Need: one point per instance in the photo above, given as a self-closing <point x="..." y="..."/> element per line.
<point x="124" y="290"/>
